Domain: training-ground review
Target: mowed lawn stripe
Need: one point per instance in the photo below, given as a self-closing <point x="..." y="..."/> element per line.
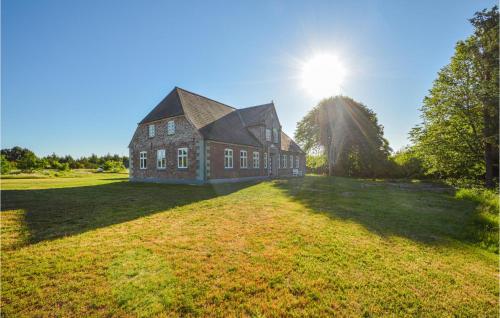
<point x="311" y="247"/>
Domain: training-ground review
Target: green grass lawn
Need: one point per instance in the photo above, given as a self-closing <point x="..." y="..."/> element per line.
<point x="97" y="245"/>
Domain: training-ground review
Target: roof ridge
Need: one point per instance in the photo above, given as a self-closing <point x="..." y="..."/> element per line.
<point x="292" y="141"/>
<point x="158" y="106"/>
<point x="213" y="100"/>
<point x="182" y="106"/>
<point x="286" y="134"/>
<point x="245" y="125"/>
<point x="241" y="118"/>
<point x="271" y="103"/>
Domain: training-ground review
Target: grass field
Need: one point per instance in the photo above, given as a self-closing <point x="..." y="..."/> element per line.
<point x="97" y="245"/>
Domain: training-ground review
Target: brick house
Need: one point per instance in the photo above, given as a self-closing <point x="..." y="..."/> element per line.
<point x="188" y="138"/>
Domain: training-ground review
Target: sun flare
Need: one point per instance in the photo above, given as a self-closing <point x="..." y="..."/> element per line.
<point x="323" y="75"/>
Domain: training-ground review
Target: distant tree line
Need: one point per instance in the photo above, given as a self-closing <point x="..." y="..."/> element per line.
<point x="25" y="160"/>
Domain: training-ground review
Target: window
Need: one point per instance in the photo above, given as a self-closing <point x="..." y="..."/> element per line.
<point x="291" y="161"/>
<point x="284" y="161"/>
<point x="182" y="158"/>
<point x="243" y="159"/>
<point x="279" y="161"/>
<point x="268" y="134"/>
<point x="256" y="159"/>
<point x="275" y="135"/>
<point x="228" y="158"/>
<point x="171" y="127"/>
<point x="161" y="159"/>
<point x="143" y="157"/>
<point x="265" y="160"/>
<point x="151" y="131"/>
<point x="297" y="162"/>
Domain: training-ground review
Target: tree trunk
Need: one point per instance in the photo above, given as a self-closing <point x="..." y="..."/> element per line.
<point x="488" y="149"/>
<point x="330" y="157"/>
<point x="488" y="160"/>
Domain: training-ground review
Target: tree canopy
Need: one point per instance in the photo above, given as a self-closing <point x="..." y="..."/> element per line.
<point x="458" y="137"/>
<point x="348" y="133"/>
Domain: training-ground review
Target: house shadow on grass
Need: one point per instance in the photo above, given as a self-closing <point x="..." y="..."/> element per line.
<point x="421" y="212"/>
<point x="58" y="212"/>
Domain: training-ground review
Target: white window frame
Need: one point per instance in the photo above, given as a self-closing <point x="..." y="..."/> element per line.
<point x="143" y="160"/>
<point x="265" y="160"/>
<point x="170" y="128"/>
<point x="161" y="159"/>
<point x="268" y="134"/>
<point x="275" y="135"/>
<point x="256" y="159"/>
<point x="228" y="158"/>
<point x="182" y="158"/>
<point x="243" y="159"/>
<point x="151" y="130"/>
<point x="284" y="161"/>
<point x="297" y="162"/>
<point x="291" y="161"/>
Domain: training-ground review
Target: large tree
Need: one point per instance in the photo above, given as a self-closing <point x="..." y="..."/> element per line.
<point x="16" y="153"/>
<point x="484" y="49"/>
<point x="348" y="133"/>
<point x="458" y="137"/>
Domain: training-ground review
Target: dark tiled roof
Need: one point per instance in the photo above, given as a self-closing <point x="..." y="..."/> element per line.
<point x="202" y="110"/>
<point x="287" y="144"/>
<point x="214" y="120"/>
<point x="255" y="115"/>
<point x="170" y="106"/>
<point x="230" y="129"/>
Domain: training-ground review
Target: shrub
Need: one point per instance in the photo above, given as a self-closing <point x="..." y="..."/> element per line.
<point x="63" y="166"/>
<point x="29" y="162"/>
<point x="407" y="164"/>
<point x="5" y="165"/>
<point x="113" y="166"/>
<point x="483" y="227"/>
<point x="316" y="164"/>
<point x="60" y="166"/>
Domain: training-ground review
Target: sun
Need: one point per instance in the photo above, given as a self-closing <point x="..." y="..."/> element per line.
<point x="323" y="75"/>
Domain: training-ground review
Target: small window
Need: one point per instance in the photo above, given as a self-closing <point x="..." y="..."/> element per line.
<point x="268" y="134"/>
<point x="297" y="162"/>
<point x="151" y="131"/>
<point x="143" y="158"/>
<point x="182" y="158"/>
<point x="284" y="161"/>
<point x="265" y="160"/>
<point x="291" y="161"/>
<point x="171" y="127"/>
<point x="275" y="135"/>
<point x="279" y="161"/>
<point x="243" y="159"/>
<point x="228" y="158"/>
<point x="256" y="159"/>
<point x="161" y="159"/>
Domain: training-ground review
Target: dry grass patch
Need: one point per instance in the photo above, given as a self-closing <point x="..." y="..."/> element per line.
<point x="269" y="249"/>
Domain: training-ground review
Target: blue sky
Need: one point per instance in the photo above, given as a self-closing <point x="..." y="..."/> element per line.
<point x="77" y="76"/>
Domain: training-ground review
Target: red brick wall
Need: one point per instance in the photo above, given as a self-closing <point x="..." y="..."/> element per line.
<point x="215" y="167"/>
<point x="185" y="136"/>
<point x="288" y="172"/>
<point x="171" y="171"/>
